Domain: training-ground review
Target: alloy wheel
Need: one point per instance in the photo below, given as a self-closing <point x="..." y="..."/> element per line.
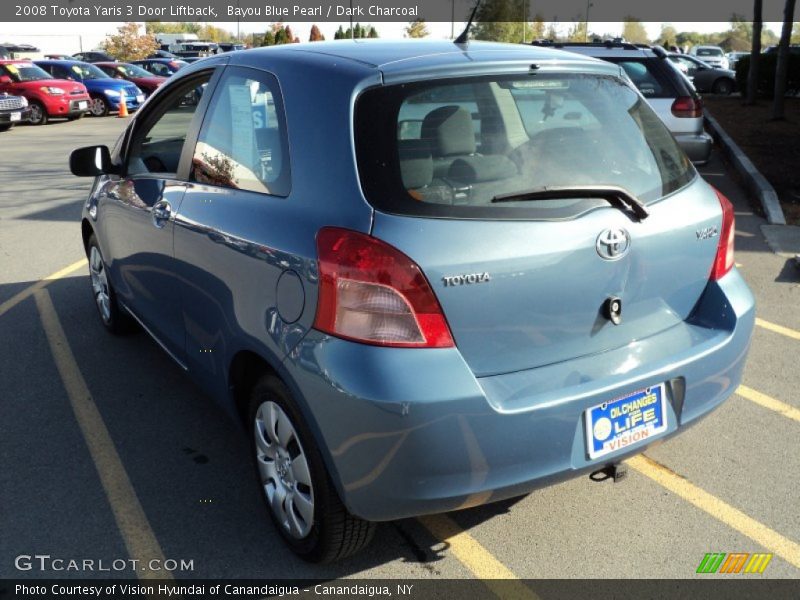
<point x="97" y="271"/>
<point x="98" y="107"/>
<point x="284" y="471"/>
<point x="36" y="114"/>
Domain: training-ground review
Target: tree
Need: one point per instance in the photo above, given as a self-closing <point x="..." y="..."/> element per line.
<point x="269" y="39"/>
<point x="373" y="33"/>
<point x="128" y="44"/>
<point x="668" y="36"/>
<point x="782" y="69"/>
<point x="339" y="35"/>
<point x="500" y="21"/>
<point x="755" y="54"/>
<point x="633" y="31"/>
<point x="417" y="29"/>
<point x="577" y="32"/>
<point x="537" y="27"/>
<point x="316" y="35"/>
<point x="796" y="33"/>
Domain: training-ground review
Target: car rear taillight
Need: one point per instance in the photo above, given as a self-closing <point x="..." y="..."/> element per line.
<point x="371" y="292"/>
<point x="687" y="107"/>
<point x="723" y="262"/>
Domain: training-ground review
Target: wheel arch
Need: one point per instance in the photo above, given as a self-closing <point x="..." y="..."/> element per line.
<point x="86" y="232"/>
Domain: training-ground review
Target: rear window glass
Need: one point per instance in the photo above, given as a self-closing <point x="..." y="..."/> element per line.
<point x="451" y="149"/>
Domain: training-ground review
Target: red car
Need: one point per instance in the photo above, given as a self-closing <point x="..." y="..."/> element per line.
<point x="47" y="97"/>
<point x="146" y="81"/>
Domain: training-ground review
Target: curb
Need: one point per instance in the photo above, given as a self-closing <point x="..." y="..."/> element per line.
<point x="755" y="180"/>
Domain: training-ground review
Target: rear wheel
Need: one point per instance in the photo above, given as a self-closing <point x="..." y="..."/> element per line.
<point x="38" y="113"/>
<point x="299" y="494"/>
<point x="723" y="87"/>
<point x="98" y="106"/>
<point x="114" y="319"/>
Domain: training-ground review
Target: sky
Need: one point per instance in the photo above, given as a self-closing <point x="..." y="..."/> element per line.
<point x="50" y="37"/>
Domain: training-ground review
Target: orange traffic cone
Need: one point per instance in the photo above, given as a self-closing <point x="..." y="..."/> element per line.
<point x="123" y="105"/>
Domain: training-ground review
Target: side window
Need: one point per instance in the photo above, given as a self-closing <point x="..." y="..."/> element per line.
<point x="242" y="143"/>
<point x="157" y="146"/>
<point x="159" y="69"/>
<point x="643" y="78"/>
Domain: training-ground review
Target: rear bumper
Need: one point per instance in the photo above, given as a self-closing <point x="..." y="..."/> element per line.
<point x="697" y="146"/>
<point x="408" y="432"/>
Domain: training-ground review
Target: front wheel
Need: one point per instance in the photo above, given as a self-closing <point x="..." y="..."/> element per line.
<point x="38" y="113"/>
<point x="112" y="316"/>
<point x="98" y="106"/>
<point x="723" y="87"/>
<point x="299" y="494"/>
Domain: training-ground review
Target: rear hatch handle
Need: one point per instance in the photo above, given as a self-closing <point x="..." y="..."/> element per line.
<point x="616" y="196"/>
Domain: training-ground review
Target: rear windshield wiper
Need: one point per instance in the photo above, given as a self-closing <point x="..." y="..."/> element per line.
<point x="616" y="196"/>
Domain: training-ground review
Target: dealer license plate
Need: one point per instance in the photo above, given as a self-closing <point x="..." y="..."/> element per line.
<point x="626" y="422"/>
<point x="15" y="117"/>
<point x="83" y="105"/>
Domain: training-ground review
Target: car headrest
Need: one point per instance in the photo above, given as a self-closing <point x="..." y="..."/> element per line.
<point x="448" y="130"/>
<point x="416" y="163"/>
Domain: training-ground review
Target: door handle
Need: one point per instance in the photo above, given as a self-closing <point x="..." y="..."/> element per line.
<point x="161" y="212"/>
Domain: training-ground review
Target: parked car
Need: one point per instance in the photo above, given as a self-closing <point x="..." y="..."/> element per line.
<point x="229" y="47"/>
<point x="19" y="51"/>
<point x="671" y="95"/>
<point x="705" y="77"/>
<point x="733" y="58"/>
<point x="793" y="49"/>
<point x="163" y="54"/>
<point x="162" y="67"/>
<point x="92" y="57"/>
<point x="144" y="80"/>
<point x="48" y="96"/>
<point x="453" y="278"/>
<point x="14" y="110"/>
<point x="106" y="92"/>
<point x="59" y="57"/>
<point x="713" y="55"/>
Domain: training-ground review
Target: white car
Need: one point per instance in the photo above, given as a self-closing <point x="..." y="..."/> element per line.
<point x="713" y="55"/>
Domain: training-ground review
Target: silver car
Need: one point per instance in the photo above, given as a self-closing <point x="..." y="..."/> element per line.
<point x="713" y="55"/>
<point x="671" y="95"/>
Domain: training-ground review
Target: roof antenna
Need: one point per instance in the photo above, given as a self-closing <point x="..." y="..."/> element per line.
<point x="464" y="37"/>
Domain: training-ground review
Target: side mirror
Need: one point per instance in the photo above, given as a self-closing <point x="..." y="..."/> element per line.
<point x="91" y="161"/>
<point x="5" y="79"/>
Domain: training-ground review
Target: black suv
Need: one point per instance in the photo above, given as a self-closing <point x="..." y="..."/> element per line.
<point x="13" y="111"/>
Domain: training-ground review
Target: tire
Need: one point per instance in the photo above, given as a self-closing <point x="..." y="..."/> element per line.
<point x="723" y="87"/>
<point x="113" y="318"/>
<point x="327" y="532"/>
<point x="38" y="113"/>
<point x="6" y="127"/>
<point x="98" y="106"/>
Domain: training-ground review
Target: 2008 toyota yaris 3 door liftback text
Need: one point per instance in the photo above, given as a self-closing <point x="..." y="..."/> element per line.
<point x="426" y="275"/>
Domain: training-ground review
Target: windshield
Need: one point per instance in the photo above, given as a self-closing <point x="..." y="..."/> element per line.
<point x="26" y="72"/>
<point x="133" y="71"/>
<point x="459" y="145"/>
<point x="85" y="71"/>
<point x="709" y="52"/>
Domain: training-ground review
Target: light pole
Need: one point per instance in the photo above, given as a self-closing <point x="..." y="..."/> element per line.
<point x="524" y="21"/>
<point x="589" y="4"/>
<point x="453" y="19"/>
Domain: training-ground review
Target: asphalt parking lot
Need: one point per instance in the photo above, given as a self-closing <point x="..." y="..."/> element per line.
<point x="108" y="451"/>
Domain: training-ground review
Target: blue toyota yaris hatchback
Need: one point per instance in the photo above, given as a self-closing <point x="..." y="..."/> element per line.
<point x="428" y="275"/>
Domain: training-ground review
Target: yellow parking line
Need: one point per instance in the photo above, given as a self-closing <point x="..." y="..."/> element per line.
<point x="477" y="559"/>
<point x="778" y="329"/>
<point x="790" y="412"/>
<point x="41" y="284"/>
<point x="139" y="538"/>
<point x="720" y="510"/>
